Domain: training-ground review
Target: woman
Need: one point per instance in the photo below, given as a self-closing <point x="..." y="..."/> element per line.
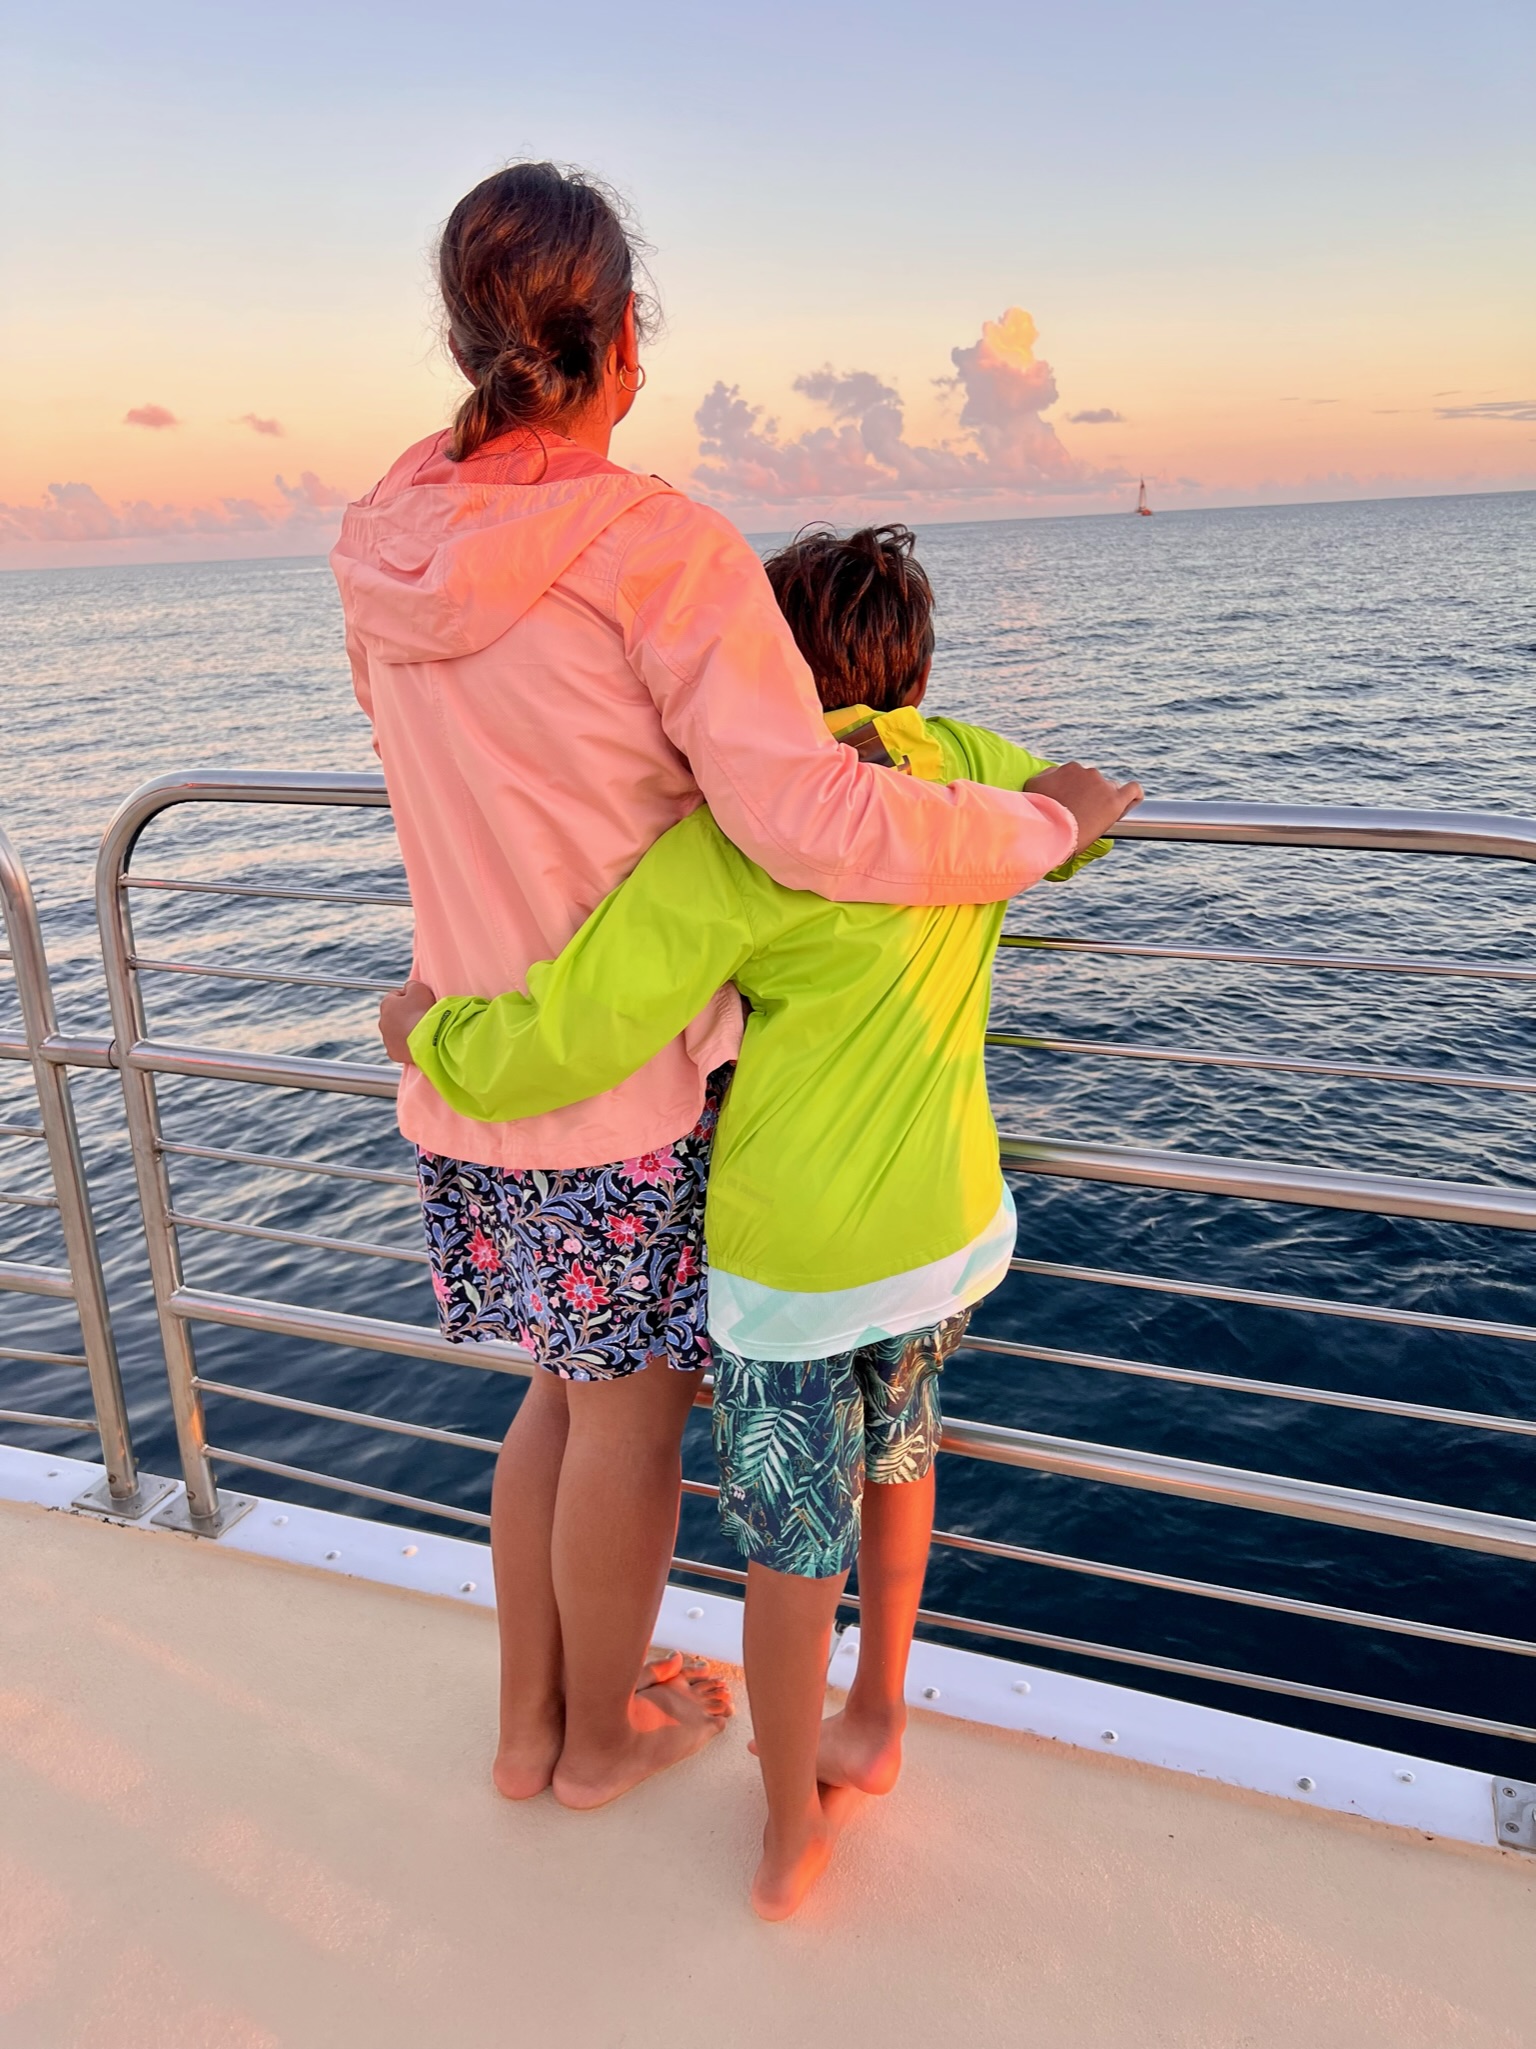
<point x="559" y="658"/>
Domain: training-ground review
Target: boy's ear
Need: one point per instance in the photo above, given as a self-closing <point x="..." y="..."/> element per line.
<point x="919" y="690"/>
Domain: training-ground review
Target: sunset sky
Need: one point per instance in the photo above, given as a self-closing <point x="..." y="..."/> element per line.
<point x="960" y="261"/>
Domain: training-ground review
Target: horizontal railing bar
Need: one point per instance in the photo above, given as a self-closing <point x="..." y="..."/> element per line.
<point x="1272" y="1181"/>
<point x="227" y="1156"/>
<point x="312" y="1240"/>
<point x="342" y="1327"/>
<point x="293" y="1405"/>
<point x="1231" y="824"/>
<point x="23" y="1279"/>
<point x="1233" y="1383"/>
<point x="1388" y="1515"/>
<point x="368" y="985"/>
<point x="63" y="1049"/>
<point x="1243" y="1597"/>
<point x="1224" y="1675"/>
<point x="48" y="1422"/>
<point x="253" y="786"/>
<point x="22" y="1131"/>
<point x="28" y="1356"/>
<point x="359" y="1487"/>
<point x="1260" y="1298"/>
<point x="1450" y="1202"/>
<point x="19" y="1200"/>
<point x="1265" y="1063"/>
<point x="398" y="900"/>
<point x="79" y="1049"/>
<point x="270" y="1070"/>
<point x="1267" y="957"/>
<point x="1359" y="828"/>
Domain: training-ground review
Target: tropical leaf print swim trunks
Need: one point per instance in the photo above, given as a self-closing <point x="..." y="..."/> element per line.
<point x="597" y="1271"/>
<point x="797" y="1439"/>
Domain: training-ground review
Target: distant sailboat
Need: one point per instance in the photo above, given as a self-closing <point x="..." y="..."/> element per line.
<point x="1141" y="503"/>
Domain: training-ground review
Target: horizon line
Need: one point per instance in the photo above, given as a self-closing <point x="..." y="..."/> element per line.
<point x="772" y="533"/>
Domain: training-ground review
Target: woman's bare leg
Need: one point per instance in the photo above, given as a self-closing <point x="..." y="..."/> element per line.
<point x="615" y="1520"/>
<point x="527" y="1619"/>
<point x="787" y="1637"/>
<point x="861" y="1746"/>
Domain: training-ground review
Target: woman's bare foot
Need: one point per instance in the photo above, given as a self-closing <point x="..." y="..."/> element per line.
<point x="667" y="1723"/>
<point x="526" y="1758"/>
<point x="861" y="1751"/>
<point x="794" y="1859"/>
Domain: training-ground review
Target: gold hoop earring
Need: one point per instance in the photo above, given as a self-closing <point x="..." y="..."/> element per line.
<point x="639" y="379"/>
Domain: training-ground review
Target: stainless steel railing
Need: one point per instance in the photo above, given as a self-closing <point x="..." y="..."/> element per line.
<point x="143" y="1058"/>
<point x="125" y="1491"/>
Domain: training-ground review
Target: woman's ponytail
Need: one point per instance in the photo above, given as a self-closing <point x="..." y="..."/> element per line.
<point x="536" y="268"/>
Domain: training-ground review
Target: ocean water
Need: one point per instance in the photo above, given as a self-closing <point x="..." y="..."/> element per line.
<point x="1377" y="653"/>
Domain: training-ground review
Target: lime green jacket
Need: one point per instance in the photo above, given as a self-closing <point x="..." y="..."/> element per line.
<point x="856" y="1140"/>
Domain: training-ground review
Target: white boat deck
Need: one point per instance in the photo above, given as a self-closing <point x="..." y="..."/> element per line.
<point x="244" y="1805"/>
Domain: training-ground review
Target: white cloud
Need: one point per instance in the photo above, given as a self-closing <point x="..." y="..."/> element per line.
<point x="1006" y="450"/>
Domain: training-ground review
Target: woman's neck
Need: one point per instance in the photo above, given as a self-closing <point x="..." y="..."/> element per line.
<point x="591" y="428"/>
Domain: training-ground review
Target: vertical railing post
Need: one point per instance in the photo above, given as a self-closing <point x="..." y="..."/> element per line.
<point x="204" y="1511"/>
<point x="125" y="1492"/>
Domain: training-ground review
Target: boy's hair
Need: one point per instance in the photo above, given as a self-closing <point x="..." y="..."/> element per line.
<point x="861" y="611"/>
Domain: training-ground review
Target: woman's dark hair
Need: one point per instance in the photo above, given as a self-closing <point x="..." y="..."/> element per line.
<point x="861" y="611"/>
<point x="536" y="266"/>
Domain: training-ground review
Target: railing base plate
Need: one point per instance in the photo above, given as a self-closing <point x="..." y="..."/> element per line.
<point x="179" y="1517"/>
<point x="99" y="1500"/>
<point x="1514" y="1810"/>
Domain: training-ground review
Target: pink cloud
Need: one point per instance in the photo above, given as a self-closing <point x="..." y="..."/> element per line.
<point x="1007" y="451"/>
<point x="150" y="416"/>
<point x="258" y="425"/>
<point x="1097" y="416"/>
<point x="77" y="514"/>
<point x="310" y="495"/>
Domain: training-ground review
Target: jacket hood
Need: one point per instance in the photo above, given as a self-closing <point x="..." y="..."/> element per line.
<point x="442" y="558"/>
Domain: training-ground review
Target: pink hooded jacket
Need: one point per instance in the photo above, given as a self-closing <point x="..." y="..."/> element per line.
<point x="559" y="661"/>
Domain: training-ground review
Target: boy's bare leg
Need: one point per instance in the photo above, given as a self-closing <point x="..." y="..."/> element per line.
<point x="615" y="1521"/>
<point x="861" y="1746"/>
<point x="787" y="1637"/>
<point x="527" y="1620"/>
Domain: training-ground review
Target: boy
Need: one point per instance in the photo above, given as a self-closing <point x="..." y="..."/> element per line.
<point x="856" y="1208"/>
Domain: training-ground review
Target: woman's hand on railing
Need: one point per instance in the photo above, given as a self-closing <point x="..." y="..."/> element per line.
<point x="1094" y="801"/>
<point x="399" y="1014"/>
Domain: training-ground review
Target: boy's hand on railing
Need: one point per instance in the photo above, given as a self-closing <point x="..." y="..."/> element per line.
<point x="399" y="1014"/>
<point x="1094" y="801"/>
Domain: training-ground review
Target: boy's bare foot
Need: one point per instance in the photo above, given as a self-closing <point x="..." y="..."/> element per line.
<point x="858" y="1751"/>
<point x="526" y="1759"/>
<point x="793" y="1860"/>
<point x="667" y="1723"/>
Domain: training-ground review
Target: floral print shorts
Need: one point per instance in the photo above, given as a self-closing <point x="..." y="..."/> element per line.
<point x="597" y="1271"/>
<point x="797" y="1439"/>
